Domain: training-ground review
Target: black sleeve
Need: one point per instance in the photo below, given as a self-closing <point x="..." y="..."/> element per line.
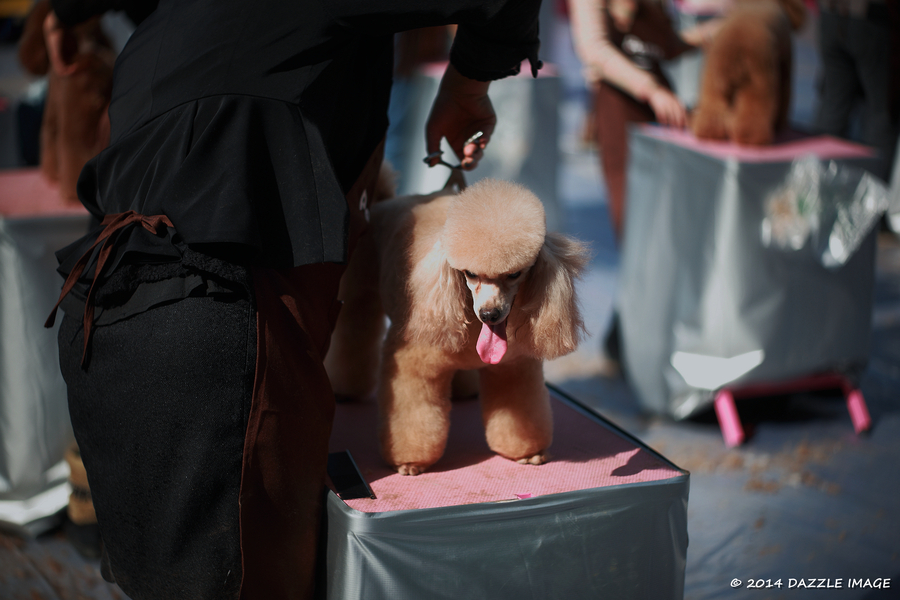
<point x="72" y="12"/>
<point x="496" y="47"/>
<point x="493" y="36"/>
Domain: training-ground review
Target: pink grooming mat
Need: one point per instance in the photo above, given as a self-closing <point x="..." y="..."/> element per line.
<point x="25" y="193"/>
<point x="786" y="148"/>
<point x="585" y="454"/>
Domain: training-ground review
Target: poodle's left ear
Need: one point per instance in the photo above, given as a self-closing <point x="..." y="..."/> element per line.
<point x="796" y="12"/>
<point x="550" y="307"/>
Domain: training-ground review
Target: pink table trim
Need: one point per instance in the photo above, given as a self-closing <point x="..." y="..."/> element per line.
<point x="787" y="147"/>
<point x="25" y="193"/>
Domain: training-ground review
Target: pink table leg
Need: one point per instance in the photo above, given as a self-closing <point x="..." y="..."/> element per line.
<point x="859" y="412"/>
<point x="729" y="420"/>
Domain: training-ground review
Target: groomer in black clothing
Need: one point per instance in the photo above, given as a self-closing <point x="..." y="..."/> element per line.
<point x="246" y="139"/>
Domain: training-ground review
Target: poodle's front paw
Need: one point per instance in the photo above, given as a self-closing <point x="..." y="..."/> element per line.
<point x="410" y="469"/>
<point x="537" y="459"/>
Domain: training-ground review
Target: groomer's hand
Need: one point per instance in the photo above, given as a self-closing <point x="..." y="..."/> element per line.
<point x="461" y="109"/>
<point x="668" y="108"/>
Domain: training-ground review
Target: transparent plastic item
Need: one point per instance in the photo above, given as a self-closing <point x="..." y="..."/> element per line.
<point x="894" y="208"/>
<point x="824" y="207"/>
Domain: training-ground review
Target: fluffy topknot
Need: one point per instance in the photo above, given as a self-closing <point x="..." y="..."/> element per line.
<point x="494" y="227"/>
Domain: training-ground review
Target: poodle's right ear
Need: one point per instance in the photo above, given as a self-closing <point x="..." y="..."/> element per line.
<point x="439" y="297"/>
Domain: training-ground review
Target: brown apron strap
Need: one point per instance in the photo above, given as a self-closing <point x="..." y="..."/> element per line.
<point x="286" y="444"/>
<point x="292" y="409"/>
<point x="113" y="225"/>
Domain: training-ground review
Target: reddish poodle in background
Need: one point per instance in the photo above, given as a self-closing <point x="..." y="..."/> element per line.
<point x="746" y="89"/>
<point x="79" y="64"/>
<point x="470" y="282"/>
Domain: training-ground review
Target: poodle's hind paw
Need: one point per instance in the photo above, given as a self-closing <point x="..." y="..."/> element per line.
<point x="410" y="469"/>
<point x="537" y="459"/>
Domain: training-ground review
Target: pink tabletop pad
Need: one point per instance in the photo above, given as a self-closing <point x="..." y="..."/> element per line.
<point x="787" y="146"/>
<point x="584" y="455"/>
<point x="25" y="193"/>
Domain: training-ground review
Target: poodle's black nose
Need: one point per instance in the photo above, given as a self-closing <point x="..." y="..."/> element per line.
<point x="490" y="316"/>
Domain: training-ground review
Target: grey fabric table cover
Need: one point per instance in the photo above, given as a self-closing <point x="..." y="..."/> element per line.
<point x="703" y="302"/>
<point x="34" y="417"/>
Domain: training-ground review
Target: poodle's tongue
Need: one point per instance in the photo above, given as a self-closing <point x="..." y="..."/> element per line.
<point x="491" y="344"/>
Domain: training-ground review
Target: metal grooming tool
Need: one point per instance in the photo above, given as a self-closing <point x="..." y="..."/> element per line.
<point x="441" y="161"/>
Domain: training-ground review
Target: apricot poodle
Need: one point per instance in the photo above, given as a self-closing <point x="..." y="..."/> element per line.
<point x="746" y="89"/>
<point x="469" y="282"/>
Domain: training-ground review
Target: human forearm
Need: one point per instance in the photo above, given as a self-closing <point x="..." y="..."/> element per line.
<point x="601" y="59"/>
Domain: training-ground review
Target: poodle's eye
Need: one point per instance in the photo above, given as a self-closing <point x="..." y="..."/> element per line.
<point x="514" y="275"/>
<point x="470" y="274"/>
